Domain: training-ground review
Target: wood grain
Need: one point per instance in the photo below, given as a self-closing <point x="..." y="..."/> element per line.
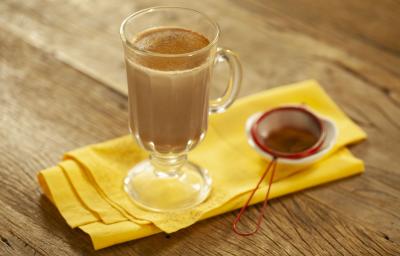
<point x="57" y="92"/>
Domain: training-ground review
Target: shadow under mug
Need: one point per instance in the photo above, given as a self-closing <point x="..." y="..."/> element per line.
<point x="169" y="106"/>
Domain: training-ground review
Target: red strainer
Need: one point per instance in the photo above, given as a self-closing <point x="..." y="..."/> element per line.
<point x="284" y="132"/>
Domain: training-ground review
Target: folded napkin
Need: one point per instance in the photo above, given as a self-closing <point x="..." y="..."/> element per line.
<point x="87" y="186"/>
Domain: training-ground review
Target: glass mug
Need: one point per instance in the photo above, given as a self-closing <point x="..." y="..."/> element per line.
<point x="169" y="106"/>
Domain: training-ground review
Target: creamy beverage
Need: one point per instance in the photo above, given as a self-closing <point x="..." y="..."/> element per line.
<point x="168" y="94"/>
<point x="170" y="53"/>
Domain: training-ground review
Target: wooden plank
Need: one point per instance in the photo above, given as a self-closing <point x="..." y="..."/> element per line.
<point x="275" y="39"/>
<point x="55" y="96"/>
<point x="361" y="27"/>
<point x="41" y="117"/>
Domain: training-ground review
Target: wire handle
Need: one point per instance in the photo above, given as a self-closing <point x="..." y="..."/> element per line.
<point x="271" y="165"/>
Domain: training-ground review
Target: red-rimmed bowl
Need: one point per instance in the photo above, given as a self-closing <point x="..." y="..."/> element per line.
<point x="259" y="125"/>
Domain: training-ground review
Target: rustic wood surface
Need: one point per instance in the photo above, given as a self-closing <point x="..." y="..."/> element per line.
<point x="62" y="86"/>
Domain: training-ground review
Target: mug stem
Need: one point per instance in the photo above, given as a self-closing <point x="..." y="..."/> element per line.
<point x="168" y="165"/>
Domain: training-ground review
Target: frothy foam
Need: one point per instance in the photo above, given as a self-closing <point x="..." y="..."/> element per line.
<point x="170" y="41"/>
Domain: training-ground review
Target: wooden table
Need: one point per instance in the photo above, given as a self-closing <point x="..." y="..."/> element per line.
<point x="62" y="86"/>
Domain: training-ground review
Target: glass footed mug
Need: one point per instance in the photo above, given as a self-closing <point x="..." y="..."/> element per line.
<point x="169" y="106"/>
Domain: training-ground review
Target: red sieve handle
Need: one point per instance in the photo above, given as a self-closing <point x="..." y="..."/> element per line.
<point x="271" y="165"/>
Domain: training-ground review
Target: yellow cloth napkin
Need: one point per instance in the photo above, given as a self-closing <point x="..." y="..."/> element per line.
<point x="87" y="187"/>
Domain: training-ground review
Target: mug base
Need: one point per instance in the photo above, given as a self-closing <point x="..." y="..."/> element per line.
<point x="160" y="191"/>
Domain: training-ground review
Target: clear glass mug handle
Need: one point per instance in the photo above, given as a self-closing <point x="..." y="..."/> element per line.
<point x="235" y="80"/>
